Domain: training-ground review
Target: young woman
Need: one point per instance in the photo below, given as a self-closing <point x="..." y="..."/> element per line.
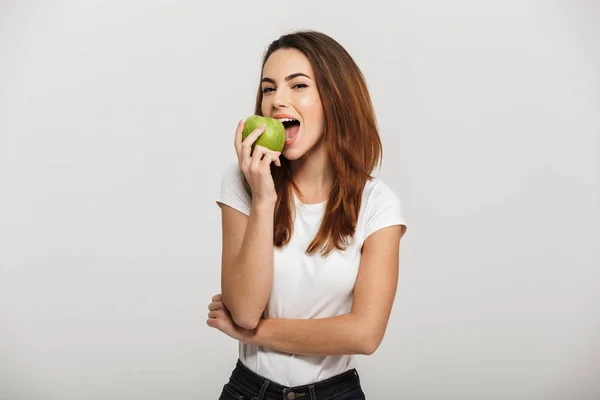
<point x="310" y="239"/>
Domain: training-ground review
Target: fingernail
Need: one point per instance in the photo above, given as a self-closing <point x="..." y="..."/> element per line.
<point x="263" y="126"/>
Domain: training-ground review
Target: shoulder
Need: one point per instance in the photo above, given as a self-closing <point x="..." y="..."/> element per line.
<point x="381" y="206"/>
<point x="233" y="177"/>
<point x="232" y="172"/>
<point x="377" y="191"/>
<point x="233" y="190"/>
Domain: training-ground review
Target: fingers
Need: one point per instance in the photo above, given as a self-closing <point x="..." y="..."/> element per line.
<point x="257" y="156"/>
<point x="215" y="305"/>
<point x="262" y="157"/>
<point x="238" y="138"/>
<point x="270" y="157"/>
<point x="217" y="297"/>
<point x="246" y="154"/>
<point x="247" y="143"/>
<point x="219" y="312"/>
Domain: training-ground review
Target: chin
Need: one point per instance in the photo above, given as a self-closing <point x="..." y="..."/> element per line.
<point x="292" y="154"/>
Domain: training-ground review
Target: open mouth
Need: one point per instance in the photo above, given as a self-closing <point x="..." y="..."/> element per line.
<point x="291" y="127"/>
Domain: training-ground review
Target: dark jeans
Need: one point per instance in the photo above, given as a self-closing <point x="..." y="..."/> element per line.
<point x="244" y="384"/>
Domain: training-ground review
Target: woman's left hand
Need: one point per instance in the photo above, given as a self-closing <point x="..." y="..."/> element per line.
<point x="219" y="317"/>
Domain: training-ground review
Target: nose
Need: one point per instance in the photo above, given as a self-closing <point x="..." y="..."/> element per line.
<point x="280" y="98"/>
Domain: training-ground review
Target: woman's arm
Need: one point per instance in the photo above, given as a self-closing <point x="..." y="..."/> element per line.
<point x="359" y="332"/>
<point x="342" y="334"/>
<point x="247" y="262"/>
<point x="247" y="255"/>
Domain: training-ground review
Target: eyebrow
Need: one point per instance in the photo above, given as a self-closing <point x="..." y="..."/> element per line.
<point x="289" y="77"/>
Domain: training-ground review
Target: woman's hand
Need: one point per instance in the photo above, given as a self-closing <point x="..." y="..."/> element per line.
<point x="219" y="318"/>
<point x="256" y="165"/>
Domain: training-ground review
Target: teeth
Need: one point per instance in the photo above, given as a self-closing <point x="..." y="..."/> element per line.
<point x="286" y="119"/>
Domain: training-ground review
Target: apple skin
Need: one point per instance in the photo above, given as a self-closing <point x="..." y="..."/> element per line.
<point x="273" y="138"/>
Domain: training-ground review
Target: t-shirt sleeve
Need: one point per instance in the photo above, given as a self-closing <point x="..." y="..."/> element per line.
<point x="233" y="192"/>
<point x="384" y="209"/>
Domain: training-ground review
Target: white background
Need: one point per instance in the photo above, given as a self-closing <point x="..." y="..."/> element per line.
<point x="117" y="119"/>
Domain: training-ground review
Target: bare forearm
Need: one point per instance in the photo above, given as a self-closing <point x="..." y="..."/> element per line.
<point x="344" y="334"/>
<point x="247" y="281"/>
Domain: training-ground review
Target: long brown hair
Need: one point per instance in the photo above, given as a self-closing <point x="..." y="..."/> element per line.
<point x="351" y="136"/>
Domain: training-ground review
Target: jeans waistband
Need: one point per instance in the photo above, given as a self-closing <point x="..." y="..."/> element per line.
<point x="252" y="382"/>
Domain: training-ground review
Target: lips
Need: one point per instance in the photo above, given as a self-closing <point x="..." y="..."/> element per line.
<point x="280" y="116"/>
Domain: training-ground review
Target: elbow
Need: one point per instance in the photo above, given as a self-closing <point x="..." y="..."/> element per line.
<point x="370" y="343"/>
<point x="369" y="335"/>
<point x="369" y="348"/>
<point x="245" y="321"/>
<point x="245" y="318"/>
<point x="242" y="315"/>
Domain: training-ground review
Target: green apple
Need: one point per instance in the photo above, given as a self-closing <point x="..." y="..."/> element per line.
<point x="273" y="138"/>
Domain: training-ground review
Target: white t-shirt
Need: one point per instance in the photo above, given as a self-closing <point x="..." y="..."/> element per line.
<point x="311" y="286"/>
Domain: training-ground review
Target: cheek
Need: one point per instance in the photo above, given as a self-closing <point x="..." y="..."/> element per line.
<point x="311" y="108"/>
<point x="307" y="102"/>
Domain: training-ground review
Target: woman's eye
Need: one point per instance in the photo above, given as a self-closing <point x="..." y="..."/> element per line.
<point x="267" y="89"/>
<point x="300" y="85"/>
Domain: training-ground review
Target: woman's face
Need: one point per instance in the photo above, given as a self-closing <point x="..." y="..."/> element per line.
<point x="290" y="93"/>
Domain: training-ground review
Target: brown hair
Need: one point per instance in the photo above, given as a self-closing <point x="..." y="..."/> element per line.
<point x="351" y="135"/>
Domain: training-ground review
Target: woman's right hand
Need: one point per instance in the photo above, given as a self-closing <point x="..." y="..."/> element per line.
<point x="256" y="167"/>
